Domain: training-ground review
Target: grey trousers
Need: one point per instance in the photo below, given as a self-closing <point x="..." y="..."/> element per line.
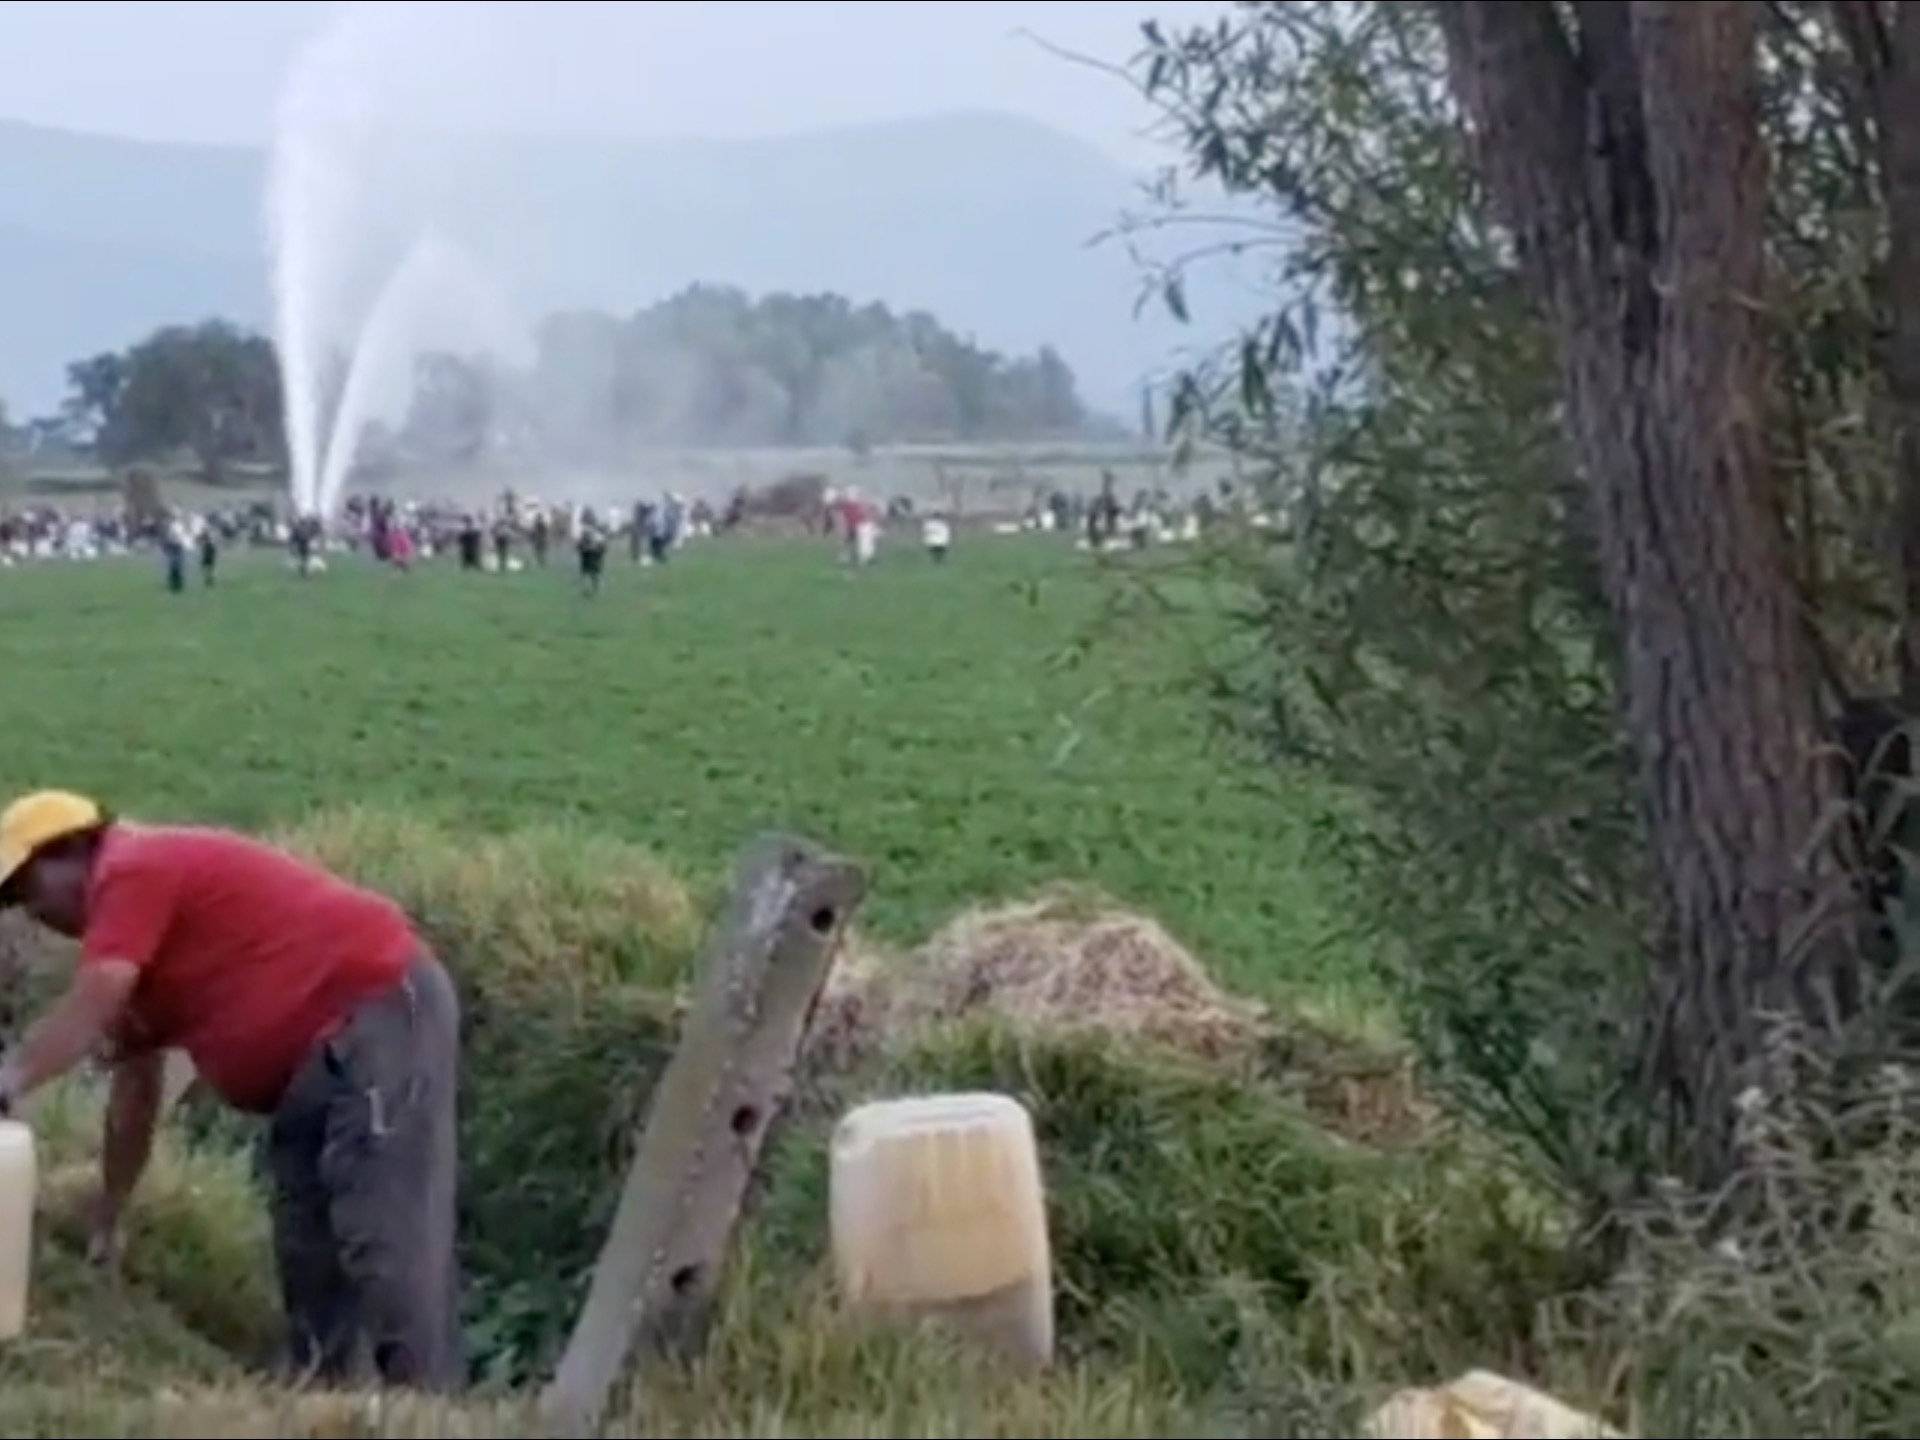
<point x="362" y="1157"/>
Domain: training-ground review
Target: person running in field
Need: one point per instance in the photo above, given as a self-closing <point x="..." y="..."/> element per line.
<point x="593" y="554"/>
<point x="938" y="535"/>
<point x="209" y="556"/>
<point x="173" y="546"/>
<point x="400" y="548"/>
<point x="641" y="530"/>
<point x="542" y="537"/>
<point x="298" y="997"/>
<point x="861" y="526"/>
<point x="470" y="541"/>
<point x="660" y="532"/>
<point x="502" y="544"/>
<point x="306" y="530"/>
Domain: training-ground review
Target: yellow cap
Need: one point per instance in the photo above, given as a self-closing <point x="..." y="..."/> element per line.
<point x="40" y="819"/>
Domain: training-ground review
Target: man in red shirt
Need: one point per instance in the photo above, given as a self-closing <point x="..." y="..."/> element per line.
<point x="298" y="997"/>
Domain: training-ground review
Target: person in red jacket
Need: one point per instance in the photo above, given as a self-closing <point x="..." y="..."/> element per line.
<point x="298" y="997"/>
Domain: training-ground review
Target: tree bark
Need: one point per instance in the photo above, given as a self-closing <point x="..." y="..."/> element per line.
<point x="1624" y="153"/>
<point x="730" y="1074"/>
<point x="1885" y="44"/>
<point x="1900" y="170"/>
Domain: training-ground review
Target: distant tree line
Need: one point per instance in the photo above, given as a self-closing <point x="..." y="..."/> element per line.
<point x="708" y="366"/>
<point x="212" y="390"/>
<point x="713" y="366"/>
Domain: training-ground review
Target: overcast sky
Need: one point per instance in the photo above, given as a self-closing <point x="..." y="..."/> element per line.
<point x="210" y="72"/>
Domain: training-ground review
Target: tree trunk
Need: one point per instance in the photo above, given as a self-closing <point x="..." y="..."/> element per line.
<point x="1626" y="158"/>
<point x="1885" y="43"/>
<point x="1900" y="172"/>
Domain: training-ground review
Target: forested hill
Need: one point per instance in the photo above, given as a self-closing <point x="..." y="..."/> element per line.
<point x="981" y="219"/>
<point x="713" y="366"/>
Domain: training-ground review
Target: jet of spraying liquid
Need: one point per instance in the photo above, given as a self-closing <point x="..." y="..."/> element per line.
<point x="436" y="297"/>
<point x="328" y="236"/>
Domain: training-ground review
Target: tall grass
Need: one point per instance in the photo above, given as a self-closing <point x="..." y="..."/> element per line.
<point x="1225" y="1264"/>
<point x="197" y="1241"/>
<point x="1791" y="1304"/>
<point x="568" y="949"/>
<point x="550" y="912"/>
<point x="1203" y="1221"/>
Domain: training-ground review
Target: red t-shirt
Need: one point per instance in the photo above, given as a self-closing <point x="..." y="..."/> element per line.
<point x="248" y="957"/>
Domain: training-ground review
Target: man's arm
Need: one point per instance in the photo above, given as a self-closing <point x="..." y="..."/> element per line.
<point x="79" y="1021"/>
<point x="133" y="1109"/>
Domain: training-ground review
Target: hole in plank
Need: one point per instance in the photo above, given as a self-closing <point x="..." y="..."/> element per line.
<point x="683" y="1279"/>
<point x="744" y="1119"/>
<point x="823" y="920"/>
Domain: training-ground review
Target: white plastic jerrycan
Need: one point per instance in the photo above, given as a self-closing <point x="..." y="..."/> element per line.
<point x="938" y="1212"/>
<point x="17" y="1182"/>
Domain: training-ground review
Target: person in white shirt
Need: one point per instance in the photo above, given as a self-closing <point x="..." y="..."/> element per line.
<point x="937" y="534"/>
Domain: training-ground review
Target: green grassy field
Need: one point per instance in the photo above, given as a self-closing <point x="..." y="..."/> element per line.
<point x="556" y="785"/>
<point x="972" y="732"/>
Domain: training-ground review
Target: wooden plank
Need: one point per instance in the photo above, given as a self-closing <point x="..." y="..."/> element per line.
<point x="760" y="974"/>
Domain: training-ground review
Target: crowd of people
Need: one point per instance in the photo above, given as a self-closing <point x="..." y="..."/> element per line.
<point x="517" y="531"/>
<point x="1154" y="516"/>
<point x="1101" y="521"/>
<point x="51" y="532"/>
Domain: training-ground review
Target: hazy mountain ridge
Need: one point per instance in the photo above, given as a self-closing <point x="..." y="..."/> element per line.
<point x="983" y="219"/>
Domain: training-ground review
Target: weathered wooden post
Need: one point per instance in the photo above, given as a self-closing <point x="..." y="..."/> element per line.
<point x="760" y="974"/>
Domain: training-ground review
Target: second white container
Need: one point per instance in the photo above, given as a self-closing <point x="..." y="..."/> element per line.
<point x="938" y="1211"/>
<point x="18" y="1180"/>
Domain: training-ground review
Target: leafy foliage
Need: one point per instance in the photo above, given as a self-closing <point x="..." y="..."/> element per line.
<point x="1430" y="631"/>
<point x="210" y="389"/>
<point x="1429" y="623"/>
<point x="1799" y="1319"/>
